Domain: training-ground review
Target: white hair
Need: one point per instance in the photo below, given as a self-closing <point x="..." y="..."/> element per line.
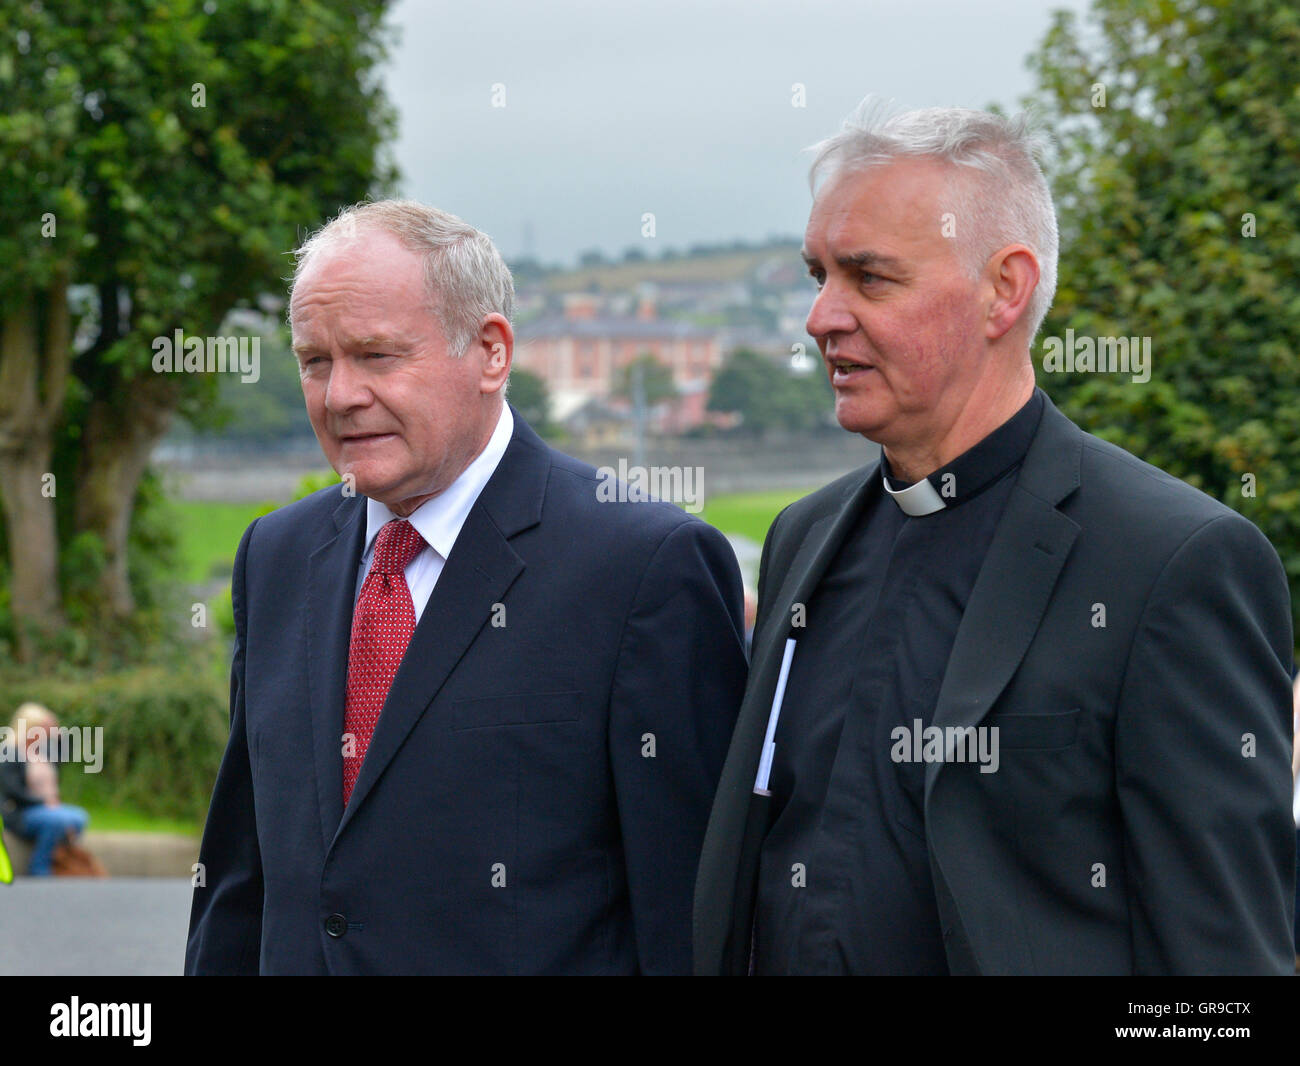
<point x="464" y="275"/>
<point x="1005" y="199"/>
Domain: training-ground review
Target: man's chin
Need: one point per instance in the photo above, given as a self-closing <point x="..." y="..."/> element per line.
<point x="853" y="419"/>
<point x="397" y="494"/>
<point x="364" y="481"/>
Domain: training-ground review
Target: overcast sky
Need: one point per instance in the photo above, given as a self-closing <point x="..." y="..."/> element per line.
<point x="677" y="107"/>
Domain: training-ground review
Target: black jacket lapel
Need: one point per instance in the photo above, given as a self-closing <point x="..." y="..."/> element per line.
<point x="1024" y="561"/>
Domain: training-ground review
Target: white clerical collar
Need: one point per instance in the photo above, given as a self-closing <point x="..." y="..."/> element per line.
<point x="439" y="520"/>
<point x="916" y="500"/>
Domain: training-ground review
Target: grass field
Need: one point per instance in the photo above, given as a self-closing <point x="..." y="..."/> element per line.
<point x="209" y="535"/>
<point x="621" y="277"/>
<point x="114" y="820"/>
<point x="748" y="514"/>
<point x="210" y="532"/>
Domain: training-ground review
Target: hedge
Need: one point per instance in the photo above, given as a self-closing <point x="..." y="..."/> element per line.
<point x="164" y="732"/>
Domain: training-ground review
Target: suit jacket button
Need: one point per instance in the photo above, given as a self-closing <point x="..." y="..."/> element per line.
<point x="336" y="925"/>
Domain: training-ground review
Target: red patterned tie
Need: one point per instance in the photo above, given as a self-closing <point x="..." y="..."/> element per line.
<point x="382" y="624"/>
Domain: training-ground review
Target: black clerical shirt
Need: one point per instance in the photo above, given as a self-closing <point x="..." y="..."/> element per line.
<point x="844" y="874"/>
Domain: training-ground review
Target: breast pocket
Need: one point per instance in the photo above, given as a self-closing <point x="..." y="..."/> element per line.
<point x="1045" y="730"/>
<point x="525" y="708"/>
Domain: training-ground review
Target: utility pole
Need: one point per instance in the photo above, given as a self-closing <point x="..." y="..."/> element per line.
<point x="639" y="410"/>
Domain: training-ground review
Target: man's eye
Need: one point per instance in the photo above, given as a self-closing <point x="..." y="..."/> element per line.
<point x="819" y="279"/>
<point x="868" y="277"/>
<point x="377" y="355"/>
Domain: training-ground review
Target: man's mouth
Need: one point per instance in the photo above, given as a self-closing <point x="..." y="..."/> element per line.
<point x="842" y="370"/>
<point x="364" y="438"/>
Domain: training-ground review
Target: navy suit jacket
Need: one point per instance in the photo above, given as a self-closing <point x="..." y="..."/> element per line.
<point x="536" y="791"/>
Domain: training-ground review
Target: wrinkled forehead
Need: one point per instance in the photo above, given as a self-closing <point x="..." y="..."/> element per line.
<point x="363" y="256"/>
<point x="912" y="201"/>
<point x="365" y="273"/>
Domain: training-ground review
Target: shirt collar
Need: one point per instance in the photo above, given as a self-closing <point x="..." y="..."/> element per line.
<point x="915" y="500"/>
<point x="972" y="471"/>
<point x="440" y="519"/>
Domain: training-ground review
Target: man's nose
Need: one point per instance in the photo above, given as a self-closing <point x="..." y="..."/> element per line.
<point x="830" y="313"/>
<point x="347" y="387"/>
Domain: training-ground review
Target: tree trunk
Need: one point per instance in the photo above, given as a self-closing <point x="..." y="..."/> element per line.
<point x="116" y="441"/>
<point x="35" y="342"/>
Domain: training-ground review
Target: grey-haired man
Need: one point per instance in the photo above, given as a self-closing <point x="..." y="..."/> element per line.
<point x="477" y="713"/>
<point x="1034" y="711"/>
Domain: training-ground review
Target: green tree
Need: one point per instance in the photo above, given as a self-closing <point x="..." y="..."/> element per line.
<point x="531" y="398"/>
<point x="656" y="380"/>
<point x="768" y="394"/>
<point x="157" y="159"/>
<point x="268" y="413"/>
<point x="1177" y="203"/>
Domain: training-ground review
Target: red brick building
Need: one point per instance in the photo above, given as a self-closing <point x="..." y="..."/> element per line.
<point x="580" y="354"/>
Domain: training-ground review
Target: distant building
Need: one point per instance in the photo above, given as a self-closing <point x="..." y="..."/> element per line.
<point x="595" y="424"/>
<point x="580" y="355"/>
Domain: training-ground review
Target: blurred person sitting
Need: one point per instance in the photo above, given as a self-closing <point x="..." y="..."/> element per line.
<point x="29" y="789"/>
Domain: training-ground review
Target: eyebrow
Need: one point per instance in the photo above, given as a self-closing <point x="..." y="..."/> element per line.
<point x="858" y="261"/>
<point x="382" y="341"/>
<point x="366" y="343"/>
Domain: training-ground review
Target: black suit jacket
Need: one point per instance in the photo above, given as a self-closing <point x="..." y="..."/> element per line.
<point x="1152" y="752"/>
<point x="535" y="792"/>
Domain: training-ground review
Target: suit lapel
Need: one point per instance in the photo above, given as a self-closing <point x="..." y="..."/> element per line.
<point x="331" y="587"/>
<point x="481" y="567"/>
<point x="1024" y="561"/>
<point x="1019" y="573"/>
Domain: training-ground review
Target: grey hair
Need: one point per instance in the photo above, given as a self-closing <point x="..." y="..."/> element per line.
<point x="464" y="275"/>
<point x="1007" y="202"/>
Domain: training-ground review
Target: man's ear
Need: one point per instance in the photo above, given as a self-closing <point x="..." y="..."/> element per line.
<point x="1014" y="275"/>
<point x="495" y="348"/>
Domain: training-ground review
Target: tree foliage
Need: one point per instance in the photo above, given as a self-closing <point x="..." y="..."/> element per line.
<point x="1178" y="206"/>
<point x="531" y="398"/>
<point x="157" y="160"/>
<point x="657" y="385"/>
<point x="770" y="395"/>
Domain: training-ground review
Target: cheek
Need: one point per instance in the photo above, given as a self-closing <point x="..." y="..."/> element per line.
<point x="313" y="395"/>
<point x="937" y="338"/>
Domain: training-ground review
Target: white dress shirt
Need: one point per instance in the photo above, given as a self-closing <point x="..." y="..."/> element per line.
<point x="438" y="520"/>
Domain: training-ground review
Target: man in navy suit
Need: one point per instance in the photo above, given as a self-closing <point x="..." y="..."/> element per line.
<point x="478" y="711"/>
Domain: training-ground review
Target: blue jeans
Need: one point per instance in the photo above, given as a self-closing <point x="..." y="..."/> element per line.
<point x="46" y="827"/>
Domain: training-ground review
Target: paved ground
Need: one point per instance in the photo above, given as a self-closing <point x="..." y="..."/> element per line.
<point x="52" y="926"/>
